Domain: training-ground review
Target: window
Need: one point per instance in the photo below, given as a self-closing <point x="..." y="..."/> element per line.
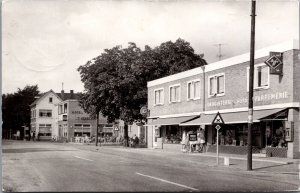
<point x="261" y="77"/>
<point x="65" y="108"/>
<point x="159" y="96"/>
<point x="82" y="129"/>
<point x="216" y="85"/>
<point x="174" y="93"/>
<point x="45" y="129"/>
<point x="50" y="99"/>
<point x="45" y="113"/>
<point x="193" y="90"/>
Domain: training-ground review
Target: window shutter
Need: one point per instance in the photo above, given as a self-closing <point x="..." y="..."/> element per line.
<point x="162" y="96"/>
<point x="220" y="82"/>
<point x="265" y="76"/>
<point x="255" y="82"/>
<point x="211" y="86"/>
<point x="197" y="89"/>
<point x="189" y="90"/>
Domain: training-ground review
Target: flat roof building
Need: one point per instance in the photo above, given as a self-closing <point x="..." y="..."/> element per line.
<point x="188" y="100"/>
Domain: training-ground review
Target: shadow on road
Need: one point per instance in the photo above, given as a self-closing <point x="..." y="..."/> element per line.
<point x="277" y="165"/>
<point x="26" y="150"/>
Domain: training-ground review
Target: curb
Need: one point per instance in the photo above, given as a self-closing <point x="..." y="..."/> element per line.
<point x="241" y="158"/>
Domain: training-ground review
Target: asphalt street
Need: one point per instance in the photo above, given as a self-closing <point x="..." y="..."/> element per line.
<point x="43" y="166"/>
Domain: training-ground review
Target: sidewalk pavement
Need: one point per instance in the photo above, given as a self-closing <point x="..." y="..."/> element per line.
<point x="272" y="165"/>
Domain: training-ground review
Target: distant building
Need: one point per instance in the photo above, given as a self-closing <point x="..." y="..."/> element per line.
<point x="43" y="114"/>
<point x="72" y="120"/>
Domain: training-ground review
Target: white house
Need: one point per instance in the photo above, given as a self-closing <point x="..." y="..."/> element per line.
<point x="44" y="114"/>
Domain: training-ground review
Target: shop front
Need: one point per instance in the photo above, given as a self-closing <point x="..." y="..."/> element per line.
<point x="271" y="132"/>
<point x="167" y="132"/>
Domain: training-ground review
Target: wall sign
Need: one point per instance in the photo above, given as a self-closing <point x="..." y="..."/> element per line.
<point x="275" y="63"/>
<point x="289" y="130"/>
<point x="256" y="98"/>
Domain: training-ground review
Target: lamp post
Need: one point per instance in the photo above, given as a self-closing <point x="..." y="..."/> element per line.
<point x="250" y="103"/>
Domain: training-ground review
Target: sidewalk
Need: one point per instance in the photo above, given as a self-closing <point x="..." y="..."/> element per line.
<point x="271" y="165"/>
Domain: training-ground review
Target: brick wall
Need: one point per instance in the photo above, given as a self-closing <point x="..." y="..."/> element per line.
<point x="281" y="89"/>
<point x="184" y="106"/>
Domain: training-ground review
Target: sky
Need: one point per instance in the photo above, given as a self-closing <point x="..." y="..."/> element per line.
<point x="45" y="41"/>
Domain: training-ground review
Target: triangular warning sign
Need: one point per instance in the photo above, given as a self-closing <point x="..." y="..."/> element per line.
<point x="218" y="119"/>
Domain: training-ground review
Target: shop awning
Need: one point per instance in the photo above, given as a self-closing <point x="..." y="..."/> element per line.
<point x="232" y="118"/>
<point x="173" y="120"/>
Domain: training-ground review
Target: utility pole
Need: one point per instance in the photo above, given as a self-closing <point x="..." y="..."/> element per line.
<point x="250" y="107"/>
<point x="96" y="137"/>
<point x="219" y="55"/>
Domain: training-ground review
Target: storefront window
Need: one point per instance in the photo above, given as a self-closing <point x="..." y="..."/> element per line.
<point x="173" y="134"/>
<point x="275" y="134"/>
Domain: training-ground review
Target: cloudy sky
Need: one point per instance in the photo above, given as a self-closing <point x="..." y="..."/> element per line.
<point x="45" y="41"/>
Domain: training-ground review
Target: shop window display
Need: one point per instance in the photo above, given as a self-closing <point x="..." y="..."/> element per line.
<point x="173" y="134"/>
<point x="275" y="134"/>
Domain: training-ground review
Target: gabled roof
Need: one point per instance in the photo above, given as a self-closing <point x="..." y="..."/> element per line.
<point x="66" y="96"/>
<point x="43" y="96"/>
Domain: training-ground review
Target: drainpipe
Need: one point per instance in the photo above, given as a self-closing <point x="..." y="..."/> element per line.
<point x="203" y="92"/>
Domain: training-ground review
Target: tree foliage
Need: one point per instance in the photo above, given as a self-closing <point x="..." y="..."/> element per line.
<point x="115" y="82"/>
<point x="16" y="108"/>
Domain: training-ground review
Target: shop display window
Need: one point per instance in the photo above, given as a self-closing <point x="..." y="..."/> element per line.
<point x="275" y="134"/>
<point x="173" y="135"/>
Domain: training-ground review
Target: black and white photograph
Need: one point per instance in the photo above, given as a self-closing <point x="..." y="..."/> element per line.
<point x="150" y="96"/>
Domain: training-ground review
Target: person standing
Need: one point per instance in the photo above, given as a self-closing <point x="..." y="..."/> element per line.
<point x="201" y="138"/>
<point x="29" y="136"/>
<point x="33" y="136"/>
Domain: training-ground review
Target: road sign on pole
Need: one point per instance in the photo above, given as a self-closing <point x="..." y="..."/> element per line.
<point x="218" y="119"/>
<point x="218" y="127"/>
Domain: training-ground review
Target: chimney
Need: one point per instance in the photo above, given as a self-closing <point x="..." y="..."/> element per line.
<point x="71" y="94"/>
<point x="62" y="94"/>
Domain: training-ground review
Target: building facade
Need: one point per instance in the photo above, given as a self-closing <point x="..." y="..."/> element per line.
<point x="73" y="121"/>
<point x="44" y="115"/>
<point x="191" y="99"/>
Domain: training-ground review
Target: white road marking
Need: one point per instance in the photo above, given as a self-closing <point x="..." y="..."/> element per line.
<point x="167" y="181"/>
<point x="83" y="158"/>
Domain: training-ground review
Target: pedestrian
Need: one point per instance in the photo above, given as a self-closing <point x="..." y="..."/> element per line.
<point x="29" y="136"/>
<point x="136" y="140"/>
<point x="201" y="139"/>
<point x="33" y="136"/>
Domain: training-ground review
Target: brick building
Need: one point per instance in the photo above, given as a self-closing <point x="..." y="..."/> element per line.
<point x="188" y="100"/>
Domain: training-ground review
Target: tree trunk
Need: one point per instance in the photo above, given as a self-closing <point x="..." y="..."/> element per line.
<point x="97" y="116"/>
<point x="126" y="139"/>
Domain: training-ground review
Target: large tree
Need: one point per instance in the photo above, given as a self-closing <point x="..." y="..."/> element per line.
<point x="115" y="82"/>
<point x="16" y="109"/>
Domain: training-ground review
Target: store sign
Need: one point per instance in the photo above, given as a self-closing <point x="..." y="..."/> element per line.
<point x="256" y="98"/>
<point x="192" y="137"/>
<point x="83" y="118"/>
<point x="289" y="131"/>
<point x="77" y="112"/>
<point x="144" y="111"/>
<point x="275" y="63"/>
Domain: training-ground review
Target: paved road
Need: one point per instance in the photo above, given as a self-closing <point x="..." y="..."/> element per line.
<point x="41" y="166"/>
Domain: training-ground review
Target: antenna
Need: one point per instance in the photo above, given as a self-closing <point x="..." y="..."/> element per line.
<point x="220" y="50"/>
<point x="62" y="86"/>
